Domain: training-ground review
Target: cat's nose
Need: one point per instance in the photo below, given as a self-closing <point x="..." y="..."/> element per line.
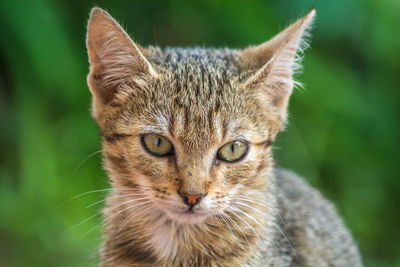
<point x="191" y="200"/>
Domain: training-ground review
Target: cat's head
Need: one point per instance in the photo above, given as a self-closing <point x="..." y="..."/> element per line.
<point x="190" y="129"/>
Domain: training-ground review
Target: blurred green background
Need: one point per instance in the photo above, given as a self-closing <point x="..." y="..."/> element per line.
<point x="343" y="135"/>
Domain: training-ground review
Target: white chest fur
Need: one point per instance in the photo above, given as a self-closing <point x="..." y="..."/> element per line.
<point x="164" y="239"/>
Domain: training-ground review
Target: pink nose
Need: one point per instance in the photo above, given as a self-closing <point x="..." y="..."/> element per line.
<point x="191" y="200"/>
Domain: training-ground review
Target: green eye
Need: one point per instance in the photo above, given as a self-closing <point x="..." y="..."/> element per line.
<point x="233" y="151"/>
<point x="157" y="145"/>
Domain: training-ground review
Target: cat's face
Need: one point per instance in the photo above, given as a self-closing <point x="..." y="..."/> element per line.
<point x="189" y="129"/>
<point x="192" y="139"/>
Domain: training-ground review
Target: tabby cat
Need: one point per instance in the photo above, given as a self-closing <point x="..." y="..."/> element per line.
<point x="187" y="135"/>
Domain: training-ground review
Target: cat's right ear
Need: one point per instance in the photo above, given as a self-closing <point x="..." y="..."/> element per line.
<point x="273" y="63"/>
<point x="114" y="57"/>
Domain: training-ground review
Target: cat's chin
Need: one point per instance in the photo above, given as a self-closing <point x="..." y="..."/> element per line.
<point x="191" y="217"/>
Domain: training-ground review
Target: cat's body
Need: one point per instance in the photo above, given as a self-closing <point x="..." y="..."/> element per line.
<point x="186" y="140"/>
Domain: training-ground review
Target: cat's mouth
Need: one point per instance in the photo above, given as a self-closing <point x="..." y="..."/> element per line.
<point x="188" y="216"/>
<point x="190" y="211"/>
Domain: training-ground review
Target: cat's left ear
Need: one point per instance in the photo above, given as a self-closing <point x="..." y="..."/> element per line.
<point x="273" y="64"/>
<point x="114" y="57"/>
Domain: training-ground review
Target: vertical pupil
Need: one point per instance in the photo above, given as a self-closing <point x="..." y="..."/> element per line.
<point x="233" y="148"/>
<point x="158" y="141"/>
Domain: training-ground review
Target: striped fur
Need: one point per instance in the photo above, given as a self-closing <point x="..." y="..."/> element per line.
<point x="201" y="99"/>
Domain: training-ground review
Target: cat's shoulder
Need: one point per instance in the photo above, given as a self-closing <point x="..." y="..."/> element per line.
<point x="308" y="218"/>
<point x="294" y="187"/>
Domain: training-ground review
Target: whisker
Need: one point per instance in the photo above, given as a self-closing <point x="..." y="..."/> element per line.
<point x="227" y="224"/>
<point x="250" y="207"/>
<point x="100" y="191"/>
<point x="113" y="197"/>
<point x="98" y="213"/>
<point x="108" y="219"/>
<point x="287" y="240"/>
<point x="83" y="194"/>
<point x="273" y="223"/>
<point x="87" y="219"/>
<point x="124" y="203"/>
<point x="237" y="226"/>
<point x="85" y="159"/>
<point x="250" y="217"/>
<point x="241" y="218"/>
<point x="129" y="218"/>
<point x="216" y="218"/>
<point x="258" y="202"/>
<point x="275" y="210"/>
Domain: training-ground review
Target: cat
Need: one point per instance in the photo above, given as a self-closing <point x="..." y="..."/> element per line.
<point x="187" y="136"/>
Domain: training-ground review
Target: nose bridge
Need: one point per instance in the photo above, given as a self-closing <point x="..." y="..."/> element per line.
<point x="193" y="176"/>
<point x="192" y="166"/>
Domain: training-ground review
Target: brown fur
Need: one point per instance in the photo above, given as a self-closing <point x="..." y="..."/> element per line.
<point x="201" y="99"/>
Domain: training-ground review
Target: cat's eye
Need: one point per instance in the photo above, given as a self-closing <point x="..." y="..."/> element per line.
<point x="157" y="145"/>
<point x="233" y="151"/>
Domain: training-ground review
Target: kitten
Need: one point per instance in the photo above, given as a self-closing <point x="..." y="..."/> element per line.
<point x="187" y="136"/>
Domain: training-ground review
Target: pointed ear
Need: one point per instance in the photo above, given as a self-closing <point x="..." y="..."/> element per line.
<point x="274" y="62"/>
<point x="114" y="57"/>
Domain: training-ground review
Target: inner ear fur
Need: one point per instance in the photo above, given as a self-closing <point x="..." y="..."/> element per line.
<point x="274" y="62"/>
<point x="114" y="58"/>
